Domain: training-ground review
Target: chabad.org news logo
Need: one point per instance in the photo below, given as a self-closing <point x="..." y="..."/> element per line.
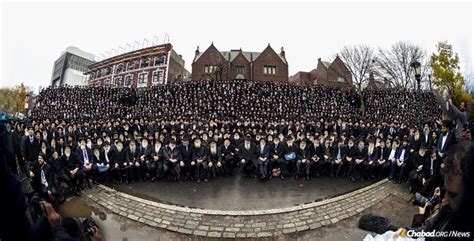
<point x="435" y="234"/>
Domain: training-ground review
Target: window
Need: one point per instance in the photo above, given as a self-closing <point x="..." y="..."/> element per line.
<point x="118" y="81"/>
<point x="119" y="68"/>
<point x="128" y="80"/>
<point x="107" y="82"/>
<point x="108" y="71"/>
<point x="130" y="65"/>
<point x="142" y="78"/>
<point x="157" y="77"/>
<point x="99" y="73"/>
<point x="269" y="69"/>
<point x="240" y="69"/>
<point x="160" y="60"/>
<point x="144" y="63"/>
<point x="209" y="69"/>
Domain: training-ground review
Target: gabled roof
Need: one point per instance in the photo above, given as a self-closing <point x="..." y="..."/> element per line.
<point x="326" y="64"/>
<point x="250" y="56"/>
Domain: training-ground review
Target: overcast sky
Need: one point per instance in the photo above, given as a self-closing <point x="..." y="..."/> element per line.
<point x="34" y="34"/>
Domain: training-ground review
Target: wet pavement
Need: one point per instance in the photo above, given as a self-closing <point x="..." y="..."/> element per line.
<point x="237" y="193"/>
<point x="115" y="227"/>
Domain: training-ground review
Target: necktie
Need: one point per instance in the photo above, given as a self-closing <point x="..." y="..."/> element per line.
<point x="43" y="178"/>
<point x="86" y="158"/>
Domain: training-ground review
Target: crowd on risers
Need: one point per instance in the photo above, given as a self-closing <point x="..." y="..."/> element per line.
<point x="79" y="136"/>
<point x="234" y="100"/>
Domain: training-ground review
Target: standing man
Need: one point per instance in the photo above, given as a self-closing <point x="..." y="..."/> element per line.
<point x="460" y="115"/>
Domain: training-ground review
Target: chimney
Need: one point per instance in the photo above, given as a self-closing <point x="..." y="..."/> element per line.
<point x="197" y="51"/>
<point x="282" y="53"/>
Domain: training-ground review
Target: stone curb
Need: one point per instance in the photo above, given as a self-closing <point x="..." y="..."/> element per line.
<point x="246" y="212"/>
<point x="240" y="224"/>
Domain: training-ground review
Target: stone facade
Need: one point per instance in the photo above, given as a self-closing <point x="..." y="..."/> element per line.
<point x="334" y="74"/>
<point x="213" y="64"/>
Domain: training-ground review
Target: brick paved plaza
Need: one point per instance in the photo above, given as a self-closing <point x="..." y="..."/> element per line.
<point x="241" y="224"/>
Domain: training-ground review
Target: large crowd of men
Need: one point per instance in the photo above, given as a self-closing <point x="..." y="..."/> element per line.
<point x="234" y="100"/>
<point x="200" y="131"/>
<point x="203" y="131"/>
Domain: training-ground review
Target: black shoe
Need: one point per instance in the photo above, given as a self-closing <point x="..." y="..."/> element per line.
<point x="353" y="179"/>
<point x="318" y="175"/>
<point x="153" y="179"/>
<point x="205" y="180"/>
<point x="198" y="180"/>
<point x="282" y="177"/>
<point x="296" y="177"/>
<point x="126" y="182"/>
<point x="270" y="177"/>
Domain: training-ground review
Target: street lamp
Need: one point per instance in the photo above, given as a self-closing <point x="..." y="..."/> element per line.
<point x="416" y="67"/>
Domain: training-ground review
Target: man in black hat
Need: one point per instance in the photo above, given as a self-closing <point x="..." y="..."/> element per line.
<point x="338" y="155"/>
<point x="123" y="168"/>
<point x="172" y="158"/>
<point x="30" y="147"/>
<point x="276" y="158"/>
<point x="419" y="159"/>
<point x="73" y="168"/>
<point x="303" y="155"/>
<point x="382" y="164"/>
<point x="145" y="158"/>
<point x="401" y="161"/>
<point x="247" y="153"/>
<point x="263" y="158"/>
<point x="446" y="139"/>
<point x="227" y="151"/>
<point x="85" y="157"/>
<point x="134" y="161"/>
<point x="186" y="157"/>
<point x="199" y="160"/>
<point x="360" y="159"/>
<point x="108" y="156"/>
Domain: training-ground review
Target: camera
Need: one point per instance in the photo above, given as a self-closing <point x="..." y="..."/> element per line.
<point x="421" y="200"/>
<point x="87" y="226"/>
<point x="36" y="207"/>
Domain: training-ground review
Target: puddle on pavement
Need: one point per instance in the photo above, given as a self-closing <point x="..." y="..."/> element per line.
<point x="113" y="227"/>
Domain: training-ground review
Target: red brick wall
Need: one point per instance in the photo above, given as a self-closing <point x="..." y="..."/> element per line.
<point x="242" y="61"/>
<point x="211" y="56"/>
<point x="269" y="57"/>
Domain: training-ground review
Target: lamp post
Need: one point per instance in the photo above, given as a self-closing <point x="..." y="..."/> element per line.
<point x="416" y="67"/>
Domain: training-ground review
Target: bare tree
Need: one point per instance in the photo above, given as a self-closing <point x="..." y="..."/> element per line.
<point x="218" y="67"/>
<point x="359" y="59"/>
<point x="394" y="64"/>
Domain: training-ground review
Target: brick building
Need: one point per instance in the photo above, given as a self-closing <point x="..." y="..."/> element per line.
<point x="333" y="74"/>
<point x="213" y="64"/>
<point x="150" y="66"/>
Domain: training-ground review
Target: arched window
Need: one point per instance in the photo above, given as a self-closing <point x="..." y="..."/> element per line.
<point x="119" y="68"/>
<point x="144" y="62"/>
<point x="130" y="65"/>
<point x="160" y="60"/>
